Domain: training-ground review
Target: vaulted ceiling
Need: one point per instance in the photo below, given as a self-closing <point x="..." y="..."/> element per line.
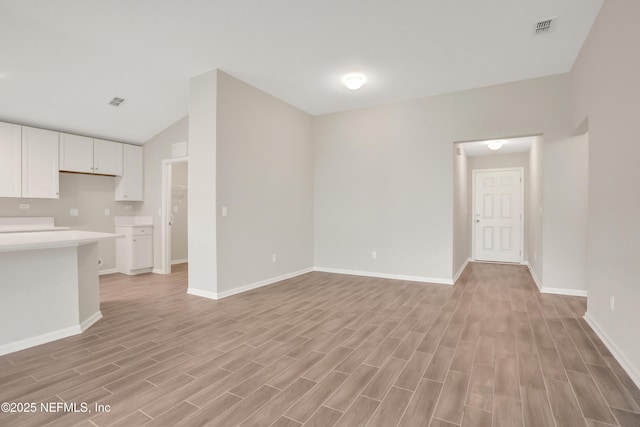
<point x="62" y="61"/>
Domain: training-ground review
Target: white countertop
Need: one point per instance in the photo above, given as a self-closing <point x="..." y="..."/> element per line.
<point x="10" y="242"/>
<point x="24" y="228"/>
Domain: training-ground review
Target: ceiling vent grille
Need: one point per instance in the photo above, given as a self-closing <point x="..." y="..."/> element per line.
<point x="116" y="101"/>
<point x="545" y="26"/>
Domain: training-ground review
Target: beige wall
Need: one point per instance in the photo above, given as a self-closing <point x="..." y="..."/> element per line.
<point x="180" y="212"/>
<point x="606" y="90"/>
<point x="565" y="214"/>
<point x="383" y="176"/>
<point x="156" y="150"/>
<point x="91" y="195"/>
<point x="461" y="209"/>
<point x="535" y="209"/>
<point x="203" y="268"/>
<point x="264" y="178"/>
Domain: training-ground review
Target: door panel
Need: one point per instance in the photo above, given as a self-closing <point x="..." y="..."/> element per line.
<point x="498" y="215"/>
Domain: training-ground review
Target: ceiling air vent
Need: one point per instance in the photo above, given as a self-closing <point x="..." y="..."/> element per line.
<point x="116" y="101"/>
<point x="545" y="26"/>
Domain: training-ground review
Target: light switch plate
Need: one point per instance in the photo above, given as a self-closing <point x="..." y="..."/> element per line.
<point x="25" y="206"/>
<point x="128" y="207"/>
<point x="225" y="211"/>
<point x="74" y="212"/>
<point x="107" y="212"/>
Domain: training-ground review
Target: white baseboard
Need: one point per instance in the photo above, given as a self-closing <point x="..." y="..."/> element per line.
<point x="560" y="291"/>
<point x="555" y="291"/>
<point x="90" y="320"/>
<point x="632" y="371"/>
<point x="249" y="287"/>
<point x="533" y="274"/>
<point x="157" y="271"/>
<point x="440" y="281"/>
<point x="459" y="273"/>
<point x="262" y="283"/>
<point x="201" y="293"/>
<point x="39" y="339"/>
<point x="108" y="271"/>
<point x="179" y="261"/>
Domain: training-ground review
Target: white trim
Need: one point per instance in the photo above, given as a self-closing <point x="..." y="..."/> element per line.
<point x="251" y="286"/>
<point x="108" y="271"/>
<point x="554" y="291"/>
<point x="459" y="273"/>
<point x="157" y="271"/>
<point x="179" y="261"/>
<point x="90" y="320"/>
<point x="201" y="293"/>
<point x="628" y="367"/>
<point x="39" y="339"/>
<point x="533" y="274"/>
<point x="440" y="281"/>
<point x="165" y="210"/>
<point x="262" y="283"/>
<point x="560" y="291"/>
<point x="473" y="208"/>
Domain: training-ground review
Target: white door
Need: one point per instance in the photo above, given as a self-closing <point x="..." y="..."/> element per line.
<point x="497" y="218"/>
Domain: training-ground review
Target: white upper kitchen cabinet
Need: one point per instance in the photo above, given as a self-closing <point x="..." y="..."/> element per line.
<point x="87" y="155"/>
<point x="129" y="186"/>
<point x="76" y="153"/>
<point x="107" y="157"/>
<point x="40" y="171"/>
<point x="10" y="160"/>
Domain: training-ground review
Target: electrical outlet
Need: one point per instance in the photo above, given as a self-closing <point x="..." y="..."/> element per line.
<point x="274" y="258"/>
<point x="175" y="209"/>
<point x="107" y="212"/>
<point x="25" y="206"/>
<point x="374" y="255"/>
<point x="535" y="255"/>
<point x="74" y="212"/>
<point x="612" y="303"/>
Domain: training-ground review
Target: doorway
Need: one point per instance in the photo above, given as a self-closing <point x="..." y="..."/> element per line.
<point x="498" y="219"/>
<point x="174" y="212"/>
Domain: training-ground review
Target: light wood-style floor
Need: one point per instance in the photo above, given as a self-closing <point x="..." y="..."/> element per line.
<point x="325" y="349"/>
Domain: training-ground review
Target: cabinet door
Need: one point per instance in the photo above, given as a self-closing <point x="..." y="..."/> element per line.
<point x="10" y="160"/>
<point x="76" y="153"/>
<point x="129" y="187"/>
<point x="107" y="158"/>
<point x="142" y="251"/>
<point x="40" y="172"/>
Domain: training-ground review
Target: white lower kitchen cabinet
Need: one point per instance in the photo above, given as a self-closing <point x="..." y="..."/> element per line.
<point x="134" y="252"/>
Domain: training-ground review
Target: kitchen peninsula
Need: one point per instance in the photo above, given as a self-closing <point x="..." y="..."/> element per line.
<point x="49" y="286"/>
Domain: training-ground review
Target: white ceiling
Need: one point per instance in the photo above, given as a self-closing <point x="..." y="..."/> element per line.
<point x="63" y="60"/>
<point x="510" y="146"/>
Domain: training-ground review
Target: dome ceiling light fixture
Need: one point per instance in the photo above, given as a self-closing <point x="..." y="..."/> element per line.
<point x="495" y="145"/>
<point x="354" y="81"/>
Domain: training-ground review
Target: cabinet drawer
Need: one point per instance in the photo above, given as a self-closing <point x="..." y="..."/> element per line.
<point x="141" y="231"/>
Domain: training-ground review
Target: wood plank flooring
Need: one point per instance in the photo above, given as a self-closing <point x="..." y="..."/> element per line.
<point x="329" y="350"/>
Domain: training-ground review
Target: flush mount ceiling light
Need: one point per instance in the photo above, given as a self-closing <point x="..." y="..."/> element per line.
<point x="354" y="81"/>
<point x="495" y="145"/>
